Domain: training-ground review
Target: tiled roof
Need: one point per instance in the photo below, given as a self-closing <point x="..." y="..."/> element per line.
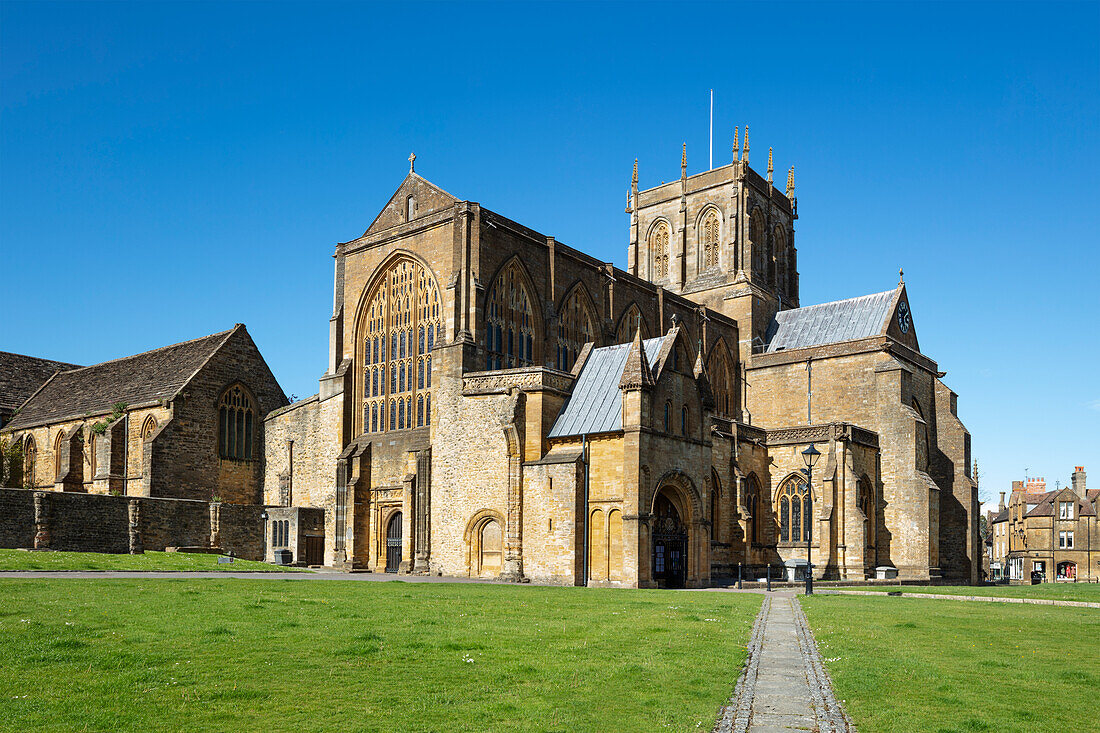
<point x="139" y="379"/>
<point x="1001" y="516"/>
<point x="1045" y="506"/>
<point x="830" y="323"/>
<point x="21" y="375"/>
<point x="596" y="405"/>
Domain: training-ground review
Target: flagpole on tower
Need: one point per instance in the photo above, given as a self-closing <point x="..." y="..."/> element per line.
<point x="711" y="167"/>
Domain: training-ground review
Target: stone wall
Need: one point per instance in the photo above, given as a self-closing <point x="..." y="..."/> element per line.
<point x="76" y="522"/>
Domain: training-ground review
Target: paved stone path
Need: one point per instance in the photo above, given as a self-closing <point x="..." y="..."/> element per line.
<point x="784" y="686"/>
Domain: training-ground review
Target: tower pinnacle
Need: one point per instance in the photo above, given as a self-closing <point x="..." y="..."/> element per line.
<point x="745" y="157"/>
<point x="736" y="144"/>
<point x="684" y="161"/>
<point x="771" y="169"/>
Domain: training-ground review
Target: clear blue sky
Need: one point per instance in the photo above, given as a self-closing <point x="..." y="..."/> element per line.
<point x="169" y="170"/>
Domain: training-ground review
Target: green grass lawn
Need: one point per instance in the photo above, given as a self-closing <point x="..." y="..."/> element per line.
<point x="230" y="655"/>
<point x="1051" y="591"/>
<point x="926" y="665"/>
<point x="168" y="561"/>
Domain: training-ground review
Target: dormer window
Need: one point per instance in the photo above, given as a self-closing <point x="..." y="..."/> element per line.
<point x="1065" y="510"/>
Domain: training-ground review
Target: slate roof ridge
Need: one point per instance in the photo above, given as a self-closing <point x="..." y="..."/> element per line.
<point x="838" y="321"/>
<point x="210" y="355"/>
<point x="842" y="301"/>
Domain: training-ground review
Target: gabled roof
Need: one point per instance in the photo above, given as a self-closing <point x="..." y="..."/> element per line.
<point x="1001" y="516"/>
<point x="429" y="197"/>
<point x="1044" y="507"/>
<point x="829" y="323"/>
<point x="140" y="379"/>
<point x="596" y="405"/>
<point x="21" y="376"/>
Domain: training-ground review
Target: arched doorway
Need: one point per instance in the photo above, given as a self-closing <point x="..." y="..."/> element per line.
<point x="393" y="543"/>
<point x="670" y="543"/>
<point x="489" y="549"/>
<point x="1067" y="571"/>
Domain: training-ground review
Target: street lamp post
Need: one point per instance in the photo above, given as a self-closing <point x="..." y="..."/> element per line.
<point x="810" y="456"/>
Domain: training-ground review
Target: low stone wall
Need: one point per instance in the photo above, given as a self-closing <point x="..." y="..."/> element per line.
<point x="122" y="524"/>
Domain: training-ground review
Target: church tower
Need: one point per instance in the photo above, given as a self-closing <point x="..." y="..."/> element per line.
<point x="723" y="238"/>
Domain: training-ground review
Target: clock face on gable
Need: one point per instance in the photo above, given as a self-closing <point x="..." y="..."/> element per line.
<point x="904" y="320"/>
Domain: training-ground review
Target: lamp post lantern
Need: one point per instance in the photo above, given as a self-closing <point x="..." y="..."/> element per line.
<point x="810" y="456"/>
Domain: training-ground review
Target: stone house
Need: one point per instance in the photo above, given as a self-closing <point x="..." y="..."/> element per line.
<point x="1051" y="532"/>
<point x="499" y="404"/>
<point x="184" y="421"/>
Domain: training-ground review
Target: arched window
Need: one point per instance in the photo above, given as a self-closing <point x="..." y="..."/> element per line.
<point x="710" y="236"/>
<point x="721" y="380"/>
<point x="147" y="429"/>
<point x="715" y="507"/>
<point x="758" y="234"/>
<point x="795" y="510"/>
<point x="629" y="323"/>
<point x="57" y="453"/>
<point x="668" y="417"/>
<point x="684" y="420"/>
<point x="779" y="267"/>
<point x="576" y="327"/>
<point x="236" y="418"/>
<point x="410" y="208"/>
<point x="30" y="461"/>
<point x="403" y="313"/>
<point x="658" y="247"/>
<point x="510" y="327"/>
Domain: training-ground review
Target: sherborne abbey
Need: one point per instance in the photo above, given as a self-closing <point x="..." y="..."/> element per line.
<point x="499" y="404"/>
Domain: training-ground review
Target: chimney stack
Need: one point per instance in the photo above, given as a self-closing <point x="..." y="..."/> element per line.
<point x="1001" y="506"/>
<point x="1079" y="482"/>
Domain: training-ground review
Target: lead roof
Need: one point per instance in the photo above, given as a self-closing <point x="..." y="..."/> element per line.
<point x="830" y="323"/>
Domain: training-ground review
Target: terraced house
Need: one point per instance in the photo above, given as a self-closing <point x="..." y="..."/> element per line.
<point x="499" y="404"/>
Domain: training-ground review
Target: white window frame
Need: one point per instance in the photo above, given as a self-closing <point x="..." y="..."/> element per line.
<point x="1065" y="510"/>
<point x="1065" y="540"/>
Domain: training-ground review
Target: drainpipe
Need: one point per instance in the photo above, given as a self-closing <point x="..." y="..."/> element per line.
<point x="584" y="456"/>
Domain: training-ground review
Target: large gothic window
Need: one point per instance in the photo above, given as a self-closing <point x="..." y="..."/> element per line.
<point x="576" y="327"/>
<point x="403" y="323"/>
<point x="721" y="381"/>
<point x="658" y="245"/>
<point x="629" y="323"/>
<point x="795" y="510"/>
<point x="778" y="273"/>
<point x="236" y="420"/>
<point x="710" y="236"/>
<point x="510" y="328"/>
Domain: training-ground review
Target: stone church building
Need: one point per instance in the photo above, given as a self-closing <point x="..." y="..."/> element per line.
<point x="499" y="404"/>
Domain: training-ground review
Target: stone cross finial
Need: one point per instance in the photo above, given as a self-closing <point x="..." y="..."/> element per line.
<point x="901" y="276"/>
<point x="412" y="161"/>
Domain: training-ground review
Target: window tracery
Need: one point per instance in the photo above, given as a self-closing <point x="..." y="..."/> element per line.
<point x="629" y="323"/>
<point x="795" y="510"/>
<point x="576" y="327"/>
<point x="711" y="235"/>
<point x="30" y="461"/>
<point x="758" y="233"/>
<point x="236" y="418"/>
<point x="510" y="328"/>
<point x="721" y="381"/>
<point x="403" y="324"/>
<point x="659" y="250"/>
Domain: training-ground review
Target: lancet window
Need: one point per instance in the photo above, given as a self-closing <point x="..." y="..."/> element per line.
<point x="403" y="324"/>
<point x="710" y="234"/>
<point x="30" y="461"/>
<point x="721" y="381"/>
<point x="510" y="327"/>
<point x="576" y="327"/>
<point x="758" y="233"/>
<point x="658" y="244"/>
<point x="629" y="323"/>
<point x="236" y="421"/>
<point x="795" y="510"/>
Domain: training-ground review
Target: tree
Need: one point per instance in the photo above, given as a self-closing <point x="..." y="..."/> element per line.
<point x="11" y="463"/>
